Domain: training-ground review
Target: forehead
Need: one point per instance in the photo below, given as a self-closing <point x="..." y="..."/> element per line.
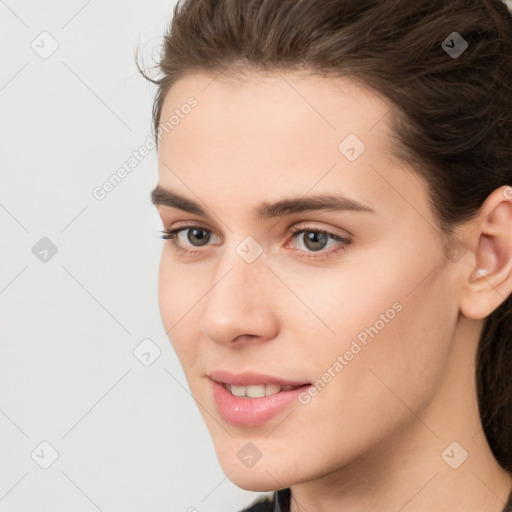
<point x="264" y="102"/>
<point x="281" y="133"/>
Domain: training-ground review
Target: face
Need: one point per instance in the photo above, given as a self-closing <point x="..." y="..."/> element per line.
<point x="339" y="290"/>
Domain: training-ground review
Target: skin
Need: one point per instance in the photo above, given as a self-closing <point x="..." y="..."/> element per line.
<point x="373" y="437"/>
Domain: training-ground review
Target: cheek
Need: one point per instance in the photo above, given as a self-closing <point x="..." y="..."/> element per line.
<point x="392" y="321"/>
<point x="177" y="296"/>
<point x="179" y="288"/>
<point x="391" y="347"/>
<point x="166" y="292"/>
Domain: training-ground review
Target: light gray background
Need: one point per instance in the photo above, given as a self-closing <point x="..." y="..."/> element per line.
<point x="128" y="436"/>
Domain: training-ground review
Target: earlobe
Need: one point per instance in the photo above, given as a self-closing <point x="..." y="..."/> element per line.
<point x="489" y="282"/>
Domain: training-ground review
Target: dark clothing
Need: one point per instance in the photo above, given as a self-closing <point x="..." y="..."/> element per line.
<point x="280" y="502"/>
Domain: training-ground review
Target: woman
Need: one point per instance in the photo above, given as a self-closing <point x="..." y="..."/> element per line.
<point x="334" y="183"/>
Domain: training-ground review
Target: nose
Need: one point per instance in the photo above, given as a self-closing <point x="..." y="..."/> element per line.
<point x="240" y="306"/>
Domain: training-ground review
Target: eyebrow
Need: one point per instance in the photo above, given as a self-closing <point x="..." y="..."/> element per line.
<point x="165" y="197"/>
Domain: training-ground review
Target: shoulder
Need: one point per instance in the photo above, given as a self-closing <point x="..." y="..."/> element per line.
<point x="261" y="504"/>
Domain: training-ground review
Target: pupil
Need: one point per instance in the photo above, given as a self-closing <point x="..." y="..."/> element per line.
<point x="202" y="239"/>
<point x="313" y="237"/>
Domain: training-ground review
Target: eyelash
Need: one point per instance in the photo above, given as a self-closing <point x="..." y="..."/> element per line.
<point x="172" y="235"/>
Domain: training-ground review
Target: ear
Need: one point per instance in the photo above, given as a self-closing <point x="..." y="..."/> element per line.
<point x="488" y="282"/>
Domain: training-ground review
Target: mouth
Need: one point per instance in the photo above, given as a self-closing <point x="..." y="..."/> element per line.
<point x="251" y="399"/>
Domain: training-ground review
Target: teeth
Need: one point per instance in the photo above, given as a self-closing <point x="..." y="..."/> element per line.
<point x="256" y="391"/>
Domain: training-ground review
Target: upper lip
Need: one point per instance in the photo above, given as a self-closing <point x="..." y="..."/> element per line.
<point x="251" y="378"/>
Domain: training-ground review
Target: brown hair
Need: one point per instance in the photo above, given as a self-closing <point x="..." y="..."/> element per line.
<point x="452" y="115"/>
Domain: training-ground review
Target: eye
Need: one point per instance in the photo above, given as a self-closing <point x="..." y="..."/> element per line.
<point x="313" y="240"/>
<point x="197" y="236"/>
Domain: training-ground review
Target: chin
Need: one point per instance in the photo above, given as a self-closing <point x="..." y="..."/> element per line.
<point x="256" y="482"/>
<point x="263" y="476"/>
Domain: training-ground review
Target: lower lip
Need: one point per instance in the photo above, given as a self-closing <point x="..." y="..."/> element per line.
<point x="251" y="412"/>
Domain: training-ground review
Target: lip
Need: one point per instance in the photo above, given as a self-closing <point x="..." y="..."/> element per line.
<point x="252" y="412"/>
<point x="251" y="378"/>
